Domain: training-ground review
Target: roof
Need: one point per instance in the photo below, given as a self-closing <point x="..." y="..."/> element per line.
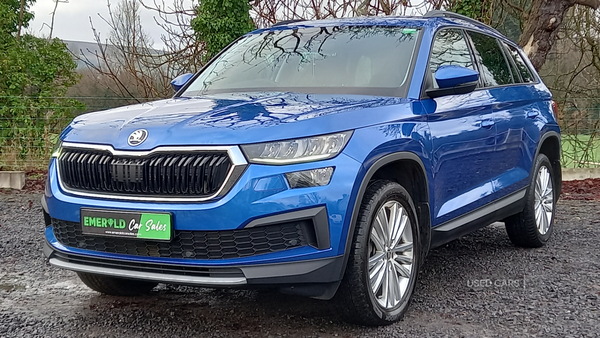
<point x="432" y="19"/>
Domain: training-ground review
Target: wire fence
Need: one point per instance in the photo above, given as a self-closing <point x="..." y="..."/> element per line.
<point x="30" y="127"/>
<point x="579" y="119"/>
<point x="27" y="137"/>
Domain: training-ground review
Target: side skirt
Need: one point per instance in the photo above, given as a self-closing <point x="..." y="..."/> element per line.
<point x="488" y="214"/>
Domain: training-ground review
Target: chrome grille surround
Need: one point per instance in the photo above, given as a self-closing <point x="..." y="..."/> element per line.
<point x="237" y="159"/>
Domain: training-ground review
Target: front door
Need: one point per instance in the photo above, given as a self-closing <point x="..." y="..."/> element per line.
<point x="463" y="136"/>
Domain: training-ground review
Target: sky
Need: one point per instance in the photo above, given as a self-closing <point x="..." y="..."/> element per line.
<point x="72" y="20"/>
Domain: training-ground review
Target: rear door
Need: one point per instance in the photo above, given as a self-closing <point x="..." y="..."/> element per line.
<point x="514" y="98"/>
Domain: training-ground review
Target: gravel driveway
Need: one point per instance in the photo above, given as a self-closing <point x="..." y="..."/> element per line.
<point x="477" y="286"/>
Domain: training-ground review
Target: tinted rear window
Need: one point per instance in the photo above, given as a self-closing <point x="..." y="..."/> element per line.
<point x="521" y="65"/>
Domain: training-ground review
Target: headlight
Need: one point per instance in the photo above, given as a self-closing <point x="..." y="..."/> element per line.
<point x="57" y="149"/>
<point x="308" y="149"/>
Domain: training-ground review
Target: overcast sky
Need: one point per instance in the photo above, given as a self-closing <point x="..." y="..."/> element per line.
<point x="72" y="20"/>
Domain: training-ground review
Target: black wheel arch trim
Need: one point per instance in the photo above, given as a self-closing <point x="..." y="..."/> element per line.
<point x="422" y="211"/>
<point x="557" y="171"/>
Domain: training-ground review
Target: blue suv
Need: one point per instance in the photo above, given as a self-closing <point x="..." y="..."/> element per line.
<point x="322" y="158"/>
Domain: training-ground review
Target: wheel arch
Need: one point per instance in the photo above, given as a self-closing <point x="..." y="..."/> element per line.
<point x="392" y="167"/>
<point x="549" y="145"/>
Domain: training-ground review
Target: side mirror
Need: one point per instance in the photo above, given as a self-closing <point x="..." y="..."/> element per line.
<point x="180" y="81"/>
<point x="454" y="80"/>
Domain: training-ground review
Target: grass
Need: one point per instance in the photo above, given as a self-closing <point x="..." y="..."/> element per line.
<point x="580" y="151"/>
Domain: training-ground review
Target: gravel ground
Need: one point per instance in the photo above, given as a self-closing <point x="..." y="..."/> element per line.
<point x="477" y="286"/>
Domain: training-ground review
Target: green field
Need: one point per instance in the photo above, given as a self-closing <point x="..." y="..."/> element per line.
<point x="580" y="151"/>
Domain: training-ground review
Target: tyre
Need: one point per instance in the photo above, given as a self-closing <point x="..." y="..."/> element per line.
<point x="115" y="286"/>
<point x="384" y="259"/>
<point x="532" y="227"/>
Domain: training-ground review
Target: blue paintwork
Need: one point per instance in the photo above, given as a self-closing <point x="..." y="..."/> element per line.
<point x="475" y="147"/>
<point x="181" y="80"/>
<point x="230" y="119"/>
<point x="463" y="153"/>
<point x="452" y="76"/>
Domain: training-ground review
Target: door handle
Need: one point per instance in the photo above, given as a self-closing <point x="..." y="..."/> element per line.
<point x="487" y="124"/>
<point x="532" y="114"/>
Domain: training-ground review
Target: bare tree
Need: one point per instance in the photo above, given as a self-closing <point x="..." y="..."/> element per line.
<point x="53" y="14"/>
<point x="533" y="23"/>
<point x="540" y="30"/>
<point x="127" y="61"/>
<point x="538" y="19"/>
<point x="21" y="18"/>
<point x="180" y="43"/>
<point x="572" y="71"/>
<point x="268" y="12"/>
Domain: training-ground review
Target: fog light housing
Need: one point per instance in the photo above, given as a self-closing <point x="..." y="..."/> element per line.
<point x="309" y="178"/>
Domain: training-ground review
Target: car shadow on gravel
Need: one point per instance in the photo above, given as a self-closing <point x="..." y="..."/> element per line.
<point x="215" y="312"/>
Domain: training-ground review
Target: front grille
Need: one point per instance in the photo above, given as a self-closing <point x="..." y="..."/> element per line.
<point x="193" y="244"/>
<point x="193" y="174"/>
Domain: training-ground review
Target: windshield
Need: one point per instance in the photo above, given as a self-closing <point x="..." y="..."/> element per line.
<point x="323" y="60"/>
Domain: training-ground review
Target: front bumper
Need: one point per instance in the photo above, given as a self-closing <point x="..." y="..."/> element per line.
<point x="314" y="278"/>
<point x="260" y="197"/>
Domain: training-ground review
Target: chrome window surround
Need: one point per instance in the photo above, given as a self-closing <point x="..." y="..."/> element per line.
<point x="235" y="155"/>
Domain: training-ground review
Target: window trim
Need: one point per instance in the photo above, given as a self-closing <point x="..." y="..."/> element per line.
<point x="507" y="60"/>
<point x="480" y="83"/>
<point x="534" y="74"/>
<point x="513" y="67"/>
<point x="526" y="62"/>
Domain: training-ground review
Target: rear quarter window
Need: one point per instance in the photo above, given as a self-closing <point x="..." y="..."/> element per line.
<point x="522" y="67"/>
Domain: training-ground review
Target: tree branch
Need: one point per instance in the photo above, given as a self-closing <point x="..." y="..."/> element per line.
<point x="588" y="3"/>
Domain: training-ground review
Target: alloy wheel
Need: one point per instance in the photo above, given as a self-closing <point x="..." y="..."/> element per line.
<point x="390" y="254"/>
<point x="544" y="200"/>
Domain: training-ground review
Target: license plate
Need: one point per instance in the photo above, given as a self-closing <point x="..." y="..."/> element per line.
<point x="126" y="224"/>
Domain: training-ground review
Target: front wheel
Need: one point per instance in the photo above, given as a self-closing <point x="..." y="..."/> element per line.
<point x="532" y="227"/>
<point x="383" y="264"/>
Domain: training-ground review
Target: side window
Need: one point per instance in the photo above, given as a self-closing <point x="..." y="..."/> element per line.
<point x="521" y="65"/>
<point x="511" y="63"/>
<point x="494" y="70"/>
<point x="449" y="48"/>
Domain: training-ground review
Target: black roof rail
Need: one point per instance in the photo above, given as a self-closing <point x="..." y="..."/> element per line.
<point x="285" y="22"/>
<point x="447" y="14"/>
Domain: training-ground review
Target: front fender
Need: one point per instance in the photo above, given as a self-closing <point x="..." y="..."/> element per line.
<point x="406" y="141"/>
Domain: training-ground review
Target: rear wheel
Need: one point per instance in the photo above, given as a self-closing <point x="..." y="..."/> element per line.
<point x="533" y="226"/>
<point x="115" y="286"/>
<point x="383" y="264"/>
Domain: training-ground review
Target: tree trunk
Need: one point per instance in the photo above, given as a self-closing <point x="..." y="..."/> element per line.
<point x="540" y="30"/>
<point x="21" y="12"/>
